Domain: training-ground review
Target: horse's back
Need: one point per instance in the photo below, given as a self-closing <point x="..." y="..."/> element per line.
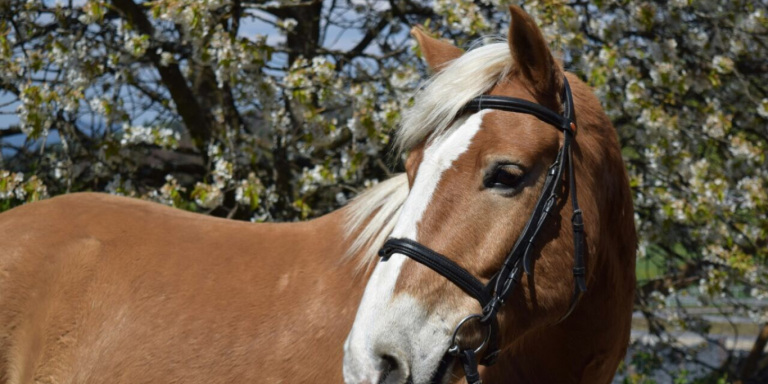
<point x="96" y="288"/>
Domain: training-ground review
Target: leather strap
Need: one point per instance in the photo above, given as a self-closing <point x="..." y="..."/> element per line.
<point x="440" y="264"/>
<point x="511" y="104"/>
<point x="470" y="367"/>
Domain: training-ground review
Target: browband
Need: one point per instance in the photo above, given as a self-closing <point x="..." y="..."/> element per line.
<point x="510" y="104"/>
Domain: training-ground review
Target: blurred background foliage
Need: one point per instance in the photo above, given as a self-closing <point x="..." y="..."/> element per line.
<point x="284" y="110"/>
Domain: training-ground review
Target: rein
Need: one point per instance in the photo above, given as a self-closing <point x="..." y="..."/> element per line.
<point x="492" y="295"/>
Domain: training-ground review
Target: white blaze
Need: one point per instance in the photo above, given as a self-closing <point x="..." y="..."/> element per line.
<point x="398" y="326"/>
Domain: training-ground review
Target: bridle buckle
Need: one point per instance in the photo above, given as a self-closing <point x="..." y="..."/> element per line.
<point x="490" y="310"/>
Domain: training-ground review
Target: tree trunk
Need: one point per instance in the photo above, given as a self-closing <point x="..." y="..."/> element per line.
<point x="750" y="364"/>
<point x="305" y="37"/>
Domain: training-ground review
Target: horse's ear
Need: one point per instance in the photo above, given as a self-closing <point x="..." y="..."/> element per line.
<point x="531" y="54"/>
<point x="436" y="52"/>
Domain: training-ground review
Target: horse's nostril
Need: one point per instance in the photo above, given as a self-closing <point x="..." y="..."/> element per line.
<point x="392" y="371"/>
<point x="389" y="363"/>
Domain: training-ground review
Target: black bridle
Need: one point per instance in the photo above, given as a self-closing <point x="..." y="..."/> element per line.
<point x="492" y="295"/>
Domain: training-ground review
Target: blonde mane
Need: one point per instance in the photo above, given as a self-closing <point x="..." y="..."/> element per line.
<point x="372" y="215"/>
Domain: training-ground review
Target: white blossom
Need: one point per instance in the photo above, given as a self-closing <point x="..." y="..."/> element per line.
<point x="762" y="108"/>
<point x="120" y="186"/>
<point x="140" y="134"/>
<point x="287" y="24"/>
<point x="722" y="64"/>
<point x="168" y="193"/>
<point x="222" y="173"/>
<point x="136" y="44"/>
<point x="207" y="195"/>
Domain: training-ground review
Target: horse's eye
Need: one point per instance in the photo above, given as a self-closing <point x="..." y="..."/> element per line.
<point x="504" y="176"/>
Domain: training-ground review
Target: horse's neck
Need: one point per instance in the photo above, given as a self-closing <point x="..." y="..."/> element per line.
<point x="581" y="349"/>
<point x="321" y="307"/>
<point x="321" y="266"/>
<point x="578" y="351"/>
<point x="326" y="244"/>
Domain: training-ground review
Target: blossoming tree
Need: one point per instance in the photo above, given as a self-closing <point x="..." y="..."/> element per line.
<point x="283" y="110"/>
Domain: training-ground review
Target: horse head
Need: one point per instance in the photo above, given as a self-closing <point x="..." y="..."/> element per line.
<point x="479" y="178"/>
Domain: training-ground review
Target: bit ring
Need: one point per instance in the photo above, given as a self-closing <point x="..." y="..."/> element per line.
<point x="455" y="349"/>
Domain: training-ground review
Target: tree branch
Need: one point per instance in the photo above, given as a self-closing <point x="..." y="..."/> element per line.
<point x="198" y="121"/>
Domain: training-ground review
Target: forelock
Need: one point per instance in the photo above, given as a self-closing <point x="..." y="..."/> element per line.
<point x="439" y="101"/>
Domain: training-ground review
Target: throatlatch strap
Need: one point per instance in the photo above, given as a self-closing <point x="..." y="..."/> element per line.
<point x="439" y="263"/>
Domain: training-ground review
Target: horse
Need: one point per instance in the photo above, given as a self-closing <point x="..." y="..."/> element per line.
<point x="97" y="288"/>
<point x="498" y="143"/>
